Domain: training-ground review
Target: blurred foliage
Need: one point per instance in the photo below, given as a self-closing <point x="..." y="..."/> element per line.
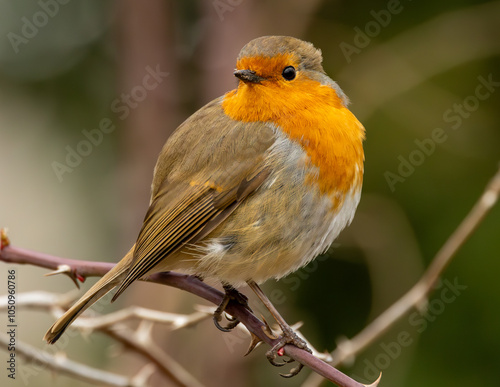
<point x="427" y="59"/>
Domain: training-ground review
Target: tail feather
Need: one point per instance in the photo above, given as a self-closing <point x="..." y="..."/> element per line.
<point x="103" y="286"/>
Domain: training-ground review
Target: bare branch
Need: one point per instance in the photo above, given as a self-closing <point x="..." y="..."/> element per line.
<point x="176" y="321"/>
<point x="149" y="350"/>
<point x="45" y="300"/>
<point x="68" y="367"/>
<point x="418" y="294"/>
<point x="134" y="341"/>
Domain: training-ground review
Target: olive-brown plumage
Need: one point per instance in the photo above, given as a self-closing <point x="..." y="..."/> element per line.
<point x="253" y="185"/>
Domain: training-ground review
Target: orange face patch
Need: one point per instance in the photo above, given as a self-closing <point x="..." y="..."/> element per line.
<point x="266" y="67"/>
<point x="309" y="113"/>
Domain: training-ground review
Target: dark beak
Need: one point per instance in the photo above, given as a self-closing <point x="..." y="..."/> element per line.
<point x="248" y="76"/>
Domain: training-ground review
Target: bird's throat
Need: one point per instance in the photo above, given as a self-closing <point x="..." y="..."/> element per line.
<point x="313" y="115"/>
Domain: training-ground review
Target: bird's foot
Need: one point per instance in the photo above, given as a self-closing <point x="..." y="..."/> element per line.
<point x="231" y="294"/>
<point x="288" y="337"/>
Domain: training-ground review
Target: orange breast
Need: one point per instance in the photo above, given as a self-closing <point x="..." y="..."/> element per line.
<point x="313" y="115"/>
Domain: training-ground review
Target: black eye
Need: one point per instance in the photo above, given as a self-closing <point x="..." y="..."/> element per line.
<point x="289" y="73"/>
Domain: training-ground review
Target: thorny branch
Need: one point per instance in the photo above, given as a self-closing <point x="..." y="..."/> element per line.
<point x="78" y="270"/>
<point x="416" y="297"/>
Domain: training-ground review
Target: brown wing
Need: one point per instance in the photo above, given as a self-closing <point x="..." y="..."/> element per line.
<point x="194" y="192"/>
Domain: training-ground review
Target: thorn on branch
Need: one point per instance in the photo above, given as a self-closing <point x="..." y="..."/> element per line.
<point x="375" y="383"/>
<point x="71" y="273"/>
<point x="254" y="343"/>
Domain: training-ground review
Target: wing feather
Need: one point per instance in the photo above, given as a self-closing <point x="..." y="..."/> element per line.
<point x="194" y="188"/>
<point x="202" y="210"/>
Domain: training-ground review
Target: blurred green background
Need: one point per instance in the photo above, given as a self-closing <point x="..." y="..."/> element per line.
<point x="412" y="69"/>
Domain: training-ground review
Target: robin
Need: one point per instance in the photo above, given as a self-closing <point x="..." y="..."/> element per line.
<point x="252" y="186"/>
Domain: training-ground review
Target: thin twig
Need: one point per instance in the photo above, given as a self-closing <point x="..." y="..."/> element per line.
<point x="418" y="294"/>
<point x="115" y="329"/>
<point x="176" y="321"/>
<point x="66" y="366"/>
<point x="82" y="269"/>
<point x="149" y="350"/>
